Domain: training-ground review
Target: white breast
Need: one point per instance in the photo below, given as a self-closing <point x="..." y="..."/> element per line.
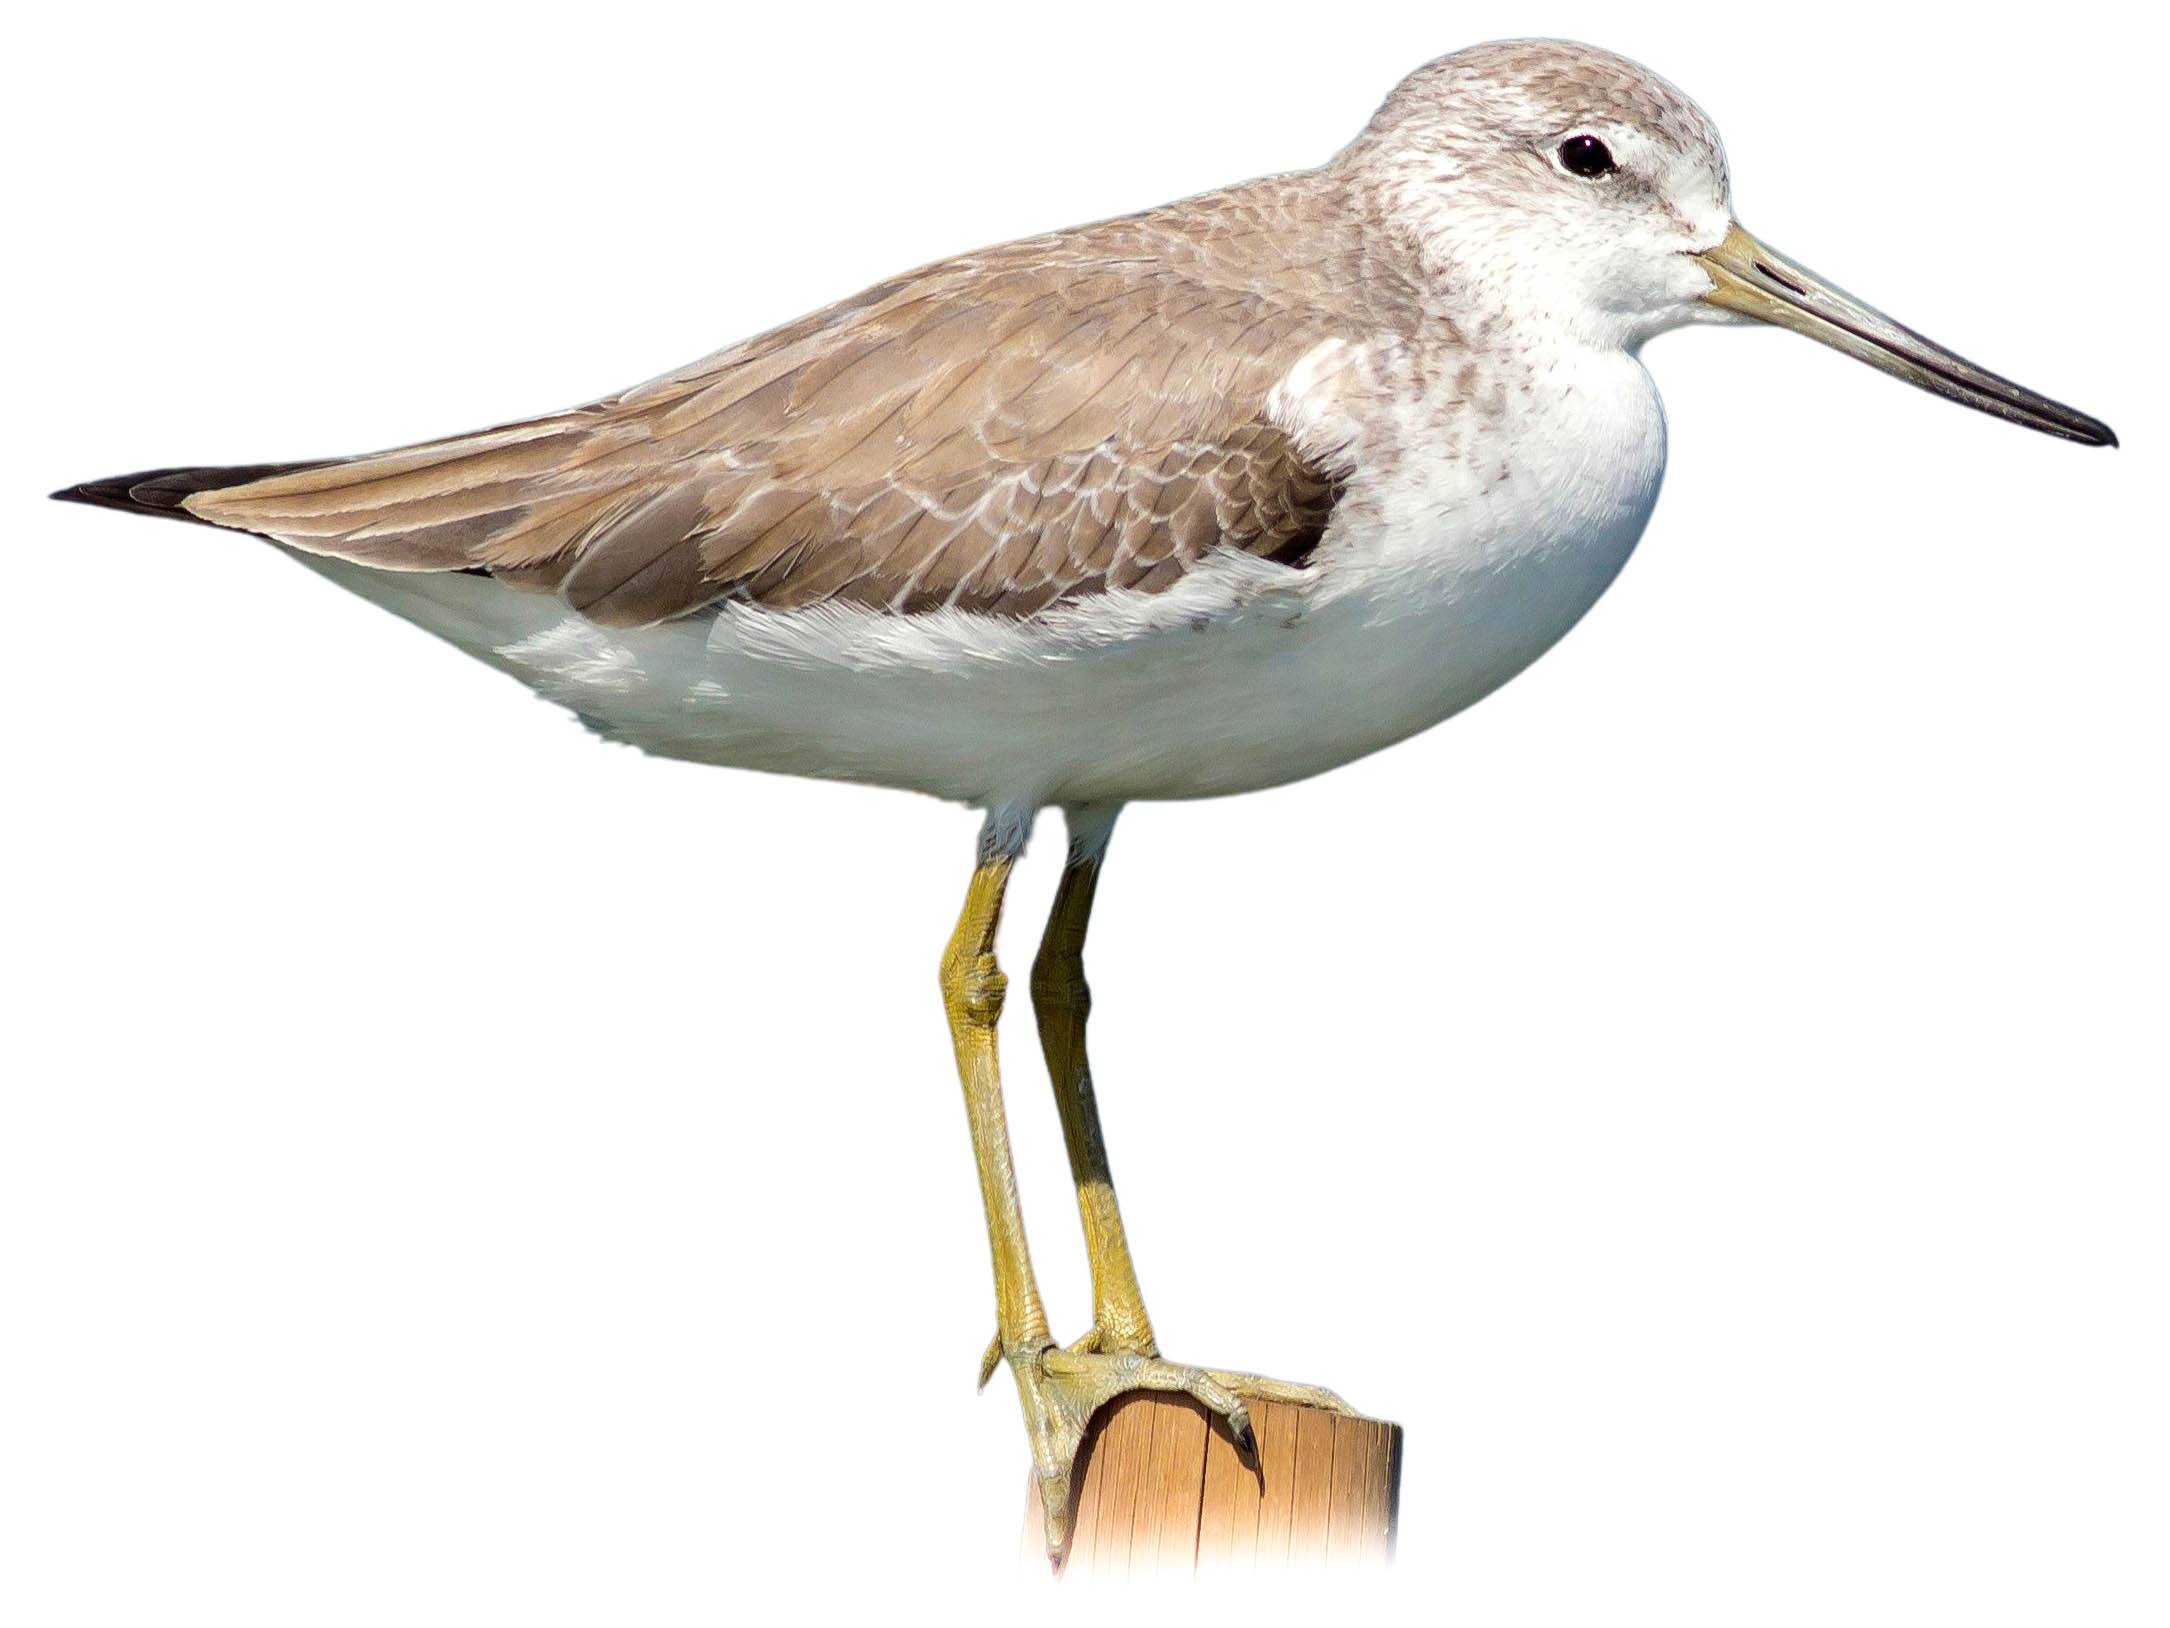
<point x="1469" y="541"/>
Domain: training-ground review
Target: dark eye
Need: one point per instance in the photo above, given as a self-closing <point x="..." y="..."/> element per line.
<point x="1587" y="157"/>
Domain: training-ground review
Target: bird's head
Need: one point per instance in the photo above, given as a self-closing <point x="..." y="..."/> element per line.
<point x="1541" y="180"/>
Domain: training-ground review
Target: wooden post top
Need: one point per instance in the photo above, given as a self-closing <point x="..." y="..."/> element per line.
<point x="1163" y="1490"/>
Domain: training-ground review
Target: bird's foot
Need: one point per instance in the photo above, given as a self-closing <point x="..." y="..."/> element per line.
<point x="1063" y="1387"/>
<point x="1091" y="1340"/>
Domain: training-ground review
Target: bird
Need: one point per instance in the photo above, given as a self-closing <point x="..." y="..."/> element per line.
<point x="1188" y="504"/>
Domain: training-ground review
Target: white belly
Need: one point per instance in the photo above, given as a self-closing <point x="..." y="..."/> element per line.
<point x="1438" y="587"/>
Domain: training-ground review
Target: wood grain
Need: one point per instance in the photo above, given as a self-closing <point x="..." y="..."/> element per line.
<point x="1163" y="1490"/>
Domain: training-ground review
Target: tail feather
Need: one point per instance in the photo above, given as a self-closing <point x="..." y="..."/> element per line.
<point x="162" y="491"/>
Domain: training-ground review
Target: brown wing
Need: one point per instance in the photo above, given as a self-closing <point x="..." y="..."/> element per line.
<point x="1001" y="432"/>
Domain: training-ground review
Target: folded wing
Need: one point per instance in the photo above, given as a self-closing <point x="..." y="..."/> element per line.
<point x="998" y="433"/>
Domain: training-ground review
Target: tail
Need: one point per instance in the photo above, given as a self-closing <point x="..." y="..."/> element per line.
<point x="162" y="491"/>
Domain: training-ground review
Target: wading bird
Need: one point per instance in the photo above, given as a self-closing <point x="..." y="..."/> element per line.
<point x="1192" y="503"/>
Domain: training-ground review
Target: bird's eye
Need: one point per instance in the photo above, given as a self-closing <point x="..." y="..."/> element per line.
<point x="1587" y="157"/>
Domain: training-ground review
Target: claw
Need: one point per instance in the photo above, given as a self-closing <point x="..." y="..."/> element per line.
<point x="1239" y="1426"/>
<point x="1055" y="1511"/>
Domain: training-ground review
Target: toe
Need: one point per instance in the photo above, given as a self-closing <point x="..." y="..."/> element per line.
<point x="1055" y="1512"/>
<point x="1207" y="1388"/>
<point x="1212" y="1392"/>
<point x="1259" y="1389"/>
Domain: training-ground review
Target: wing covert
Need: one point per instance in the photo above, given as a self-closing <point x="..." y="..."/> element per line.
<point x="1000" y="433"/>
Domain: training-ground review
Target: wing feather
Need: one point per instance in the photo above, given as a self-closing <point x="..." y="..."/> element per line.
<point x="1003" y="432"/>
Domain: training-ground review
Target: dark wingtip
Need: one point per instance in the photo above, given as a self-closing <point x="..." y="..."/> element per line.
<point x="104" y="494"/>
<point x="164" y="491"/>
<point x="152" y="491"/>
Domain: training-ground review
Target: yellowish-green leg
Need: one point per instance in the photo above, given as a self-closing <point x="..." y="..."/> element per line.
<point x="973" y="988"/>
<point x="1061" y="1389"/>
<point x="1061" y="1001"/>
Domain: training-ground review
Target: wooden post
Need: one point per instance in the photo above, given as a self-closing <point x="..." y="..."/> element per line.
<point x="1163" y="1490"/>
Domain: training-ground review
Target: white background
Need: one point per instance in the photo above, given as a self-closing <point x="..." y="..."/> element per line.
<point x="1713" y="1094"/>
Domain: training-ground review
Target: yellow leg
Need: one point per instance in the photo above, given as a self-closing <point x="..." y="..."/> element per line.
<point x="1061" y="1002"/>
<point x="972" y="993"/>
<point x="1060" y="1390"/>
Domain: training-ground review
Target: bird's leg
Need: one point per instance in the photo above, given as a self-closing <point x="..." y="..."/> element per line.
<point x="973" y="987"/>
<point x="1061" y="1001"/>
<point x="1061" y="1388"/>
